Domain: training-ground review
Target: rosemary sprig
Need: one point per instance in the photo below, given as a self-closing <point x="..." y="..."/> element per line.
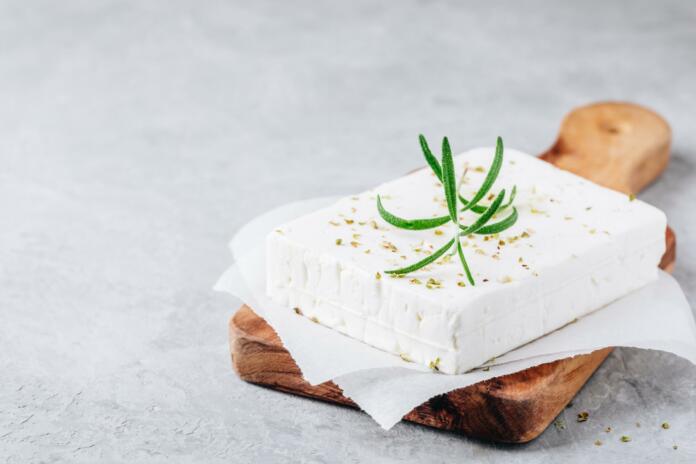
<point x="445" y="172"/>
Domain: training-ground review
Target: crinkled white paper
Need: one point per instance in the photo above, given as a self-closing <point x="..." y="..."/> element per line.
<point x="655" y="317"/>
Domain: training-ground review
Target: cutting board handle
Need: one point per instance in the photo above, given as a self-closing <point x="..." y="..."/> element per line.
<point x="622" y="146"/>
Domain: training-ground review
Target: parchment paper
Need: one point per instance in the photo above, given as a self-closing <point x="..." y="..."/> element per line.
<point x="655" y="317"/>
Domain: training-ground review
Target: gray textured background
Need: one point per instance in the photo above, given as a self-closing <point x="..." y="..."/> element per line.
<point x="135" y="137"/>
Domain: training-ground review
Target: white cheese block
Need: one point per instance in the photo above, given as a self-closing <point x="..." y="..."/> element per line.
<point x="575" y="248"/>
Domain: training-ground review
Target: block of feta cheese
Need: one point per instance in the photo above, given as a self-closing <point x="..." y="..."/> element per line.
<point x="576" y="247"/>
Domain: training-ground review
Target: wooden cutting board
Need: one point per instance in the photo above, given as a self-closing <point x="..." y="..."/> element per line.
<point x="619" y="145"/>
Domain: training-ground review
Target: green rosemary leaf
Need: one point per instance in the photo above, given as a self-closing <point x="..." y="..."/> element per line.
<point x="513" y="194"/>
<point x="490" y="177"/>
<point x="430" y="158"/>
<point x="410" y="224"/>
<point x="464" y="264"/>
<point x="448" y="180"/>
<point x="423" y="262"/>
<point x="478" y="209"/>
<point x="498" y="227"/>
<point x="485" y="217"/>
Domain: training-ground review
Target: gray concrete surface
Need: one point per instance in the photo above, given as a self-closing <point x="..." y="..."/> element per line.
<point x="136" y="136"/>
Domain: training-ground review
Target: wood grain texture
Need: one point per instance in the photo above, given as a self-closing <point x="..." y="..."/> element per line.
<point x="618" y="145"/>
<point x="622" y="146"/>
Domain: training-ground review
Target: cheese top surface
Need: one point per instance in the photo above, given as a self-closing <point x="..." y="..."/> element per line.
<point x="561" y="217"/>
